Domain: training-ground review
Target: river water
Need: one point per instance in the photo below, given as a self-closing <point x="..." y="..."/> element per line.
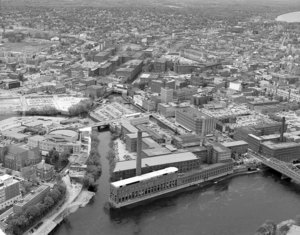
<point x="236" y="206"/>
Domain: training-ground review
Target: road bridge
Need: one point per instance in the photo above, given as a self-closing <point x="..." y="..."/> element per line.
<point x="285" y="168"/>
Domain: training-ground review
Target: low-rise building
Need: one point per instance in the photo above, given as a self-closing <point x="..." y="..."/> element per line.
<point x="44" y="171"/>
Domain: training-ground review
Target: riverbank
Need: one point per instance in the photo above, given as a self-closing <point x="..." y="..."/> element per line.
<point x="287" y="227"/>
<point x="49" y="223"/>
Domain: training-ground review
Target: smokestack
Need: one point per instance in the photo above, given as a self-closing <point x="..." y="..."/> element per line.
<point x="139" y="152"/>
<point x="282" y="129"/>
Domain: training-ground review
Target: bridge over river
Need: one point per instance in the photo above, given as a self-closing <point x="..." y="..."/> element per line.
<point x="286" y="169"/>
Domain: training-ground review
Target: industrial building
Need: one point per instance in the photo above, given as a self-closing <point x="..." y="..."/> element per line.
<point x="238" y="147"/>
<point x="194" y="120"/>
<point x="187" y="140"/>
<point x="284" y="151"/>
<point x="131" y="141"/>
<point x="153" y="134"/>
<point x="184" y="161"/>
<point x="218" y="153"/>
<point x="256" y="141"/>
<point x="127" y="128"/>
<point x="155" y="152"/>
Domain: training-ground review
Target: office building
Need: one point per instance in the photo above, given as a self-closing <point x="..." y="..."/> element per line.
<point x="9" y="191"/>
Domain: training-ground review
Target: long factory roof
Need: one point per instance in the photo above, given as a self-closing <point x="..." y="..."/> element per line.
<point x="143" y="177"/>
<point x="154" y="161"/>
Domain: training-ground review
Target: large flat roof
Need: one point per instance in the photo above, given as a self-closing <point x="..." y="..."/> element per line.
<point x="155" y="161"/>
<point x="30" y="196"/>
<point x="235" y="143"/>
<point x="129" y="127"/>
<point x="143" y="177"/>
<point x="281" y="145"/>
<point x="156" y="151"/>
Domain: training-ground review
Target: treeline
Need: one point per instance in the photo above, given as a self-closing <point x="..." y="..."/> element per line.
<point x="80" y="109"/>
<point x="94" y="168"/>
<point x="19" y="223"/>
<point x="58" y="160"/>
<point x="45" y="111"/>
<point x="111" y="156"/>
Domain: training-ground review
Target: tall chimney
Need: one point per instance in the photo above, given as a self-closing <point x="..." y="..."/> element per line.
<point x="139" y="152"/>
<point x="282" y="129"/>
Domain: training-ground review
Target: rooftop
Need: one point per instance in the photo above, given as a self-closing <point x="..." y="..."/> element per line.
<point x="156" y="151"/>
<point x="193" y="113"/>
<point x="154" y="161"/>
<point x="143" y="177"/>
<point x="280" y="145"/>
<point x="235" y="143"/>
<point x="29" y="197"/>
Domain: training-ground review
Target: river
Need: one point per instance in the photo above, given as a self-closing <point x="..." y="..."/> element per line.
<point x="235" y="206"/>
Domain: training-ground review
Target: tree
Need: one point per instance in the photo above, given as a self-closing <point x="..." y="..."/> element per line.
<point x="48" y="202"/>
<point x="54" y="156"/>
<point x="55" y="195"/>
<point x="283" y="230"/>
<point x="33" y="211"/>
<point x="27" y="186"/>
<point x="89" y="183"/>
<point x="64" y="157"/>
<point x="269" y="227"/>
